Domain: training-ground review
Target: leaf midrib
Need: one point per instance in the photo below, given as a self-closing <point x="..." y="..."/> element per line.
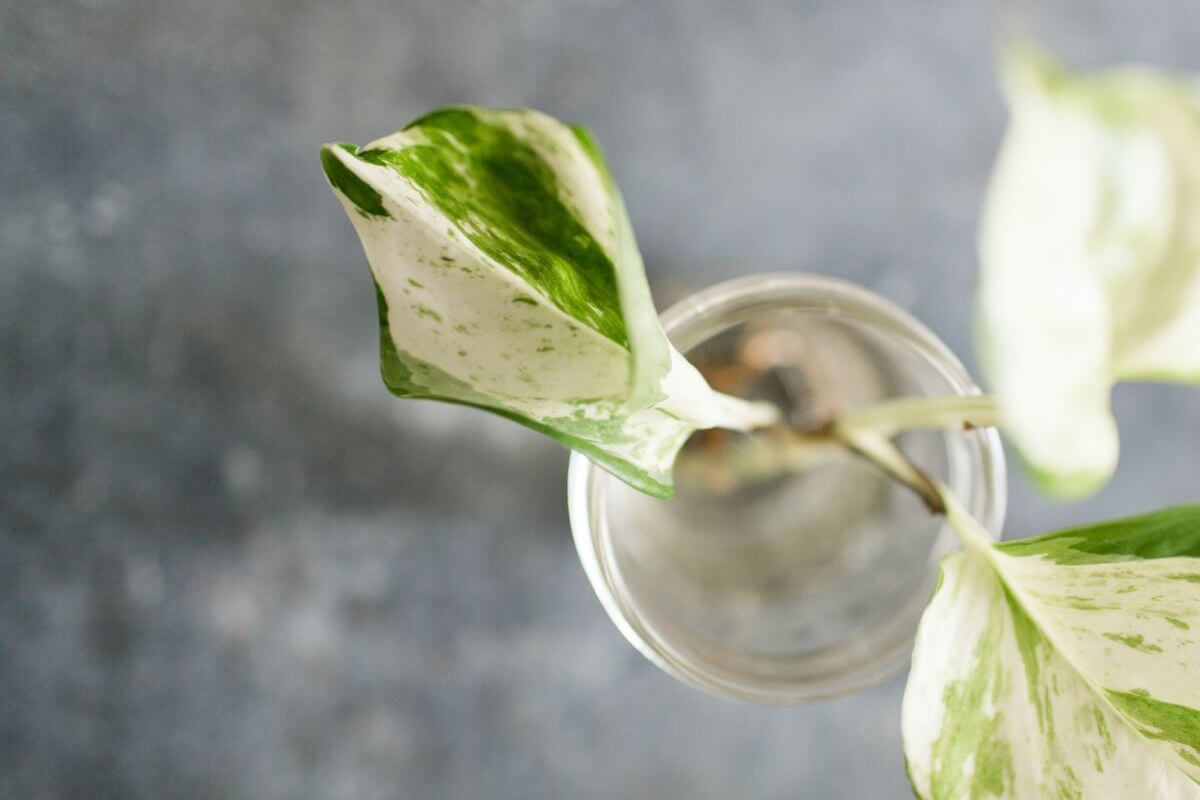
<point x="1020" y="596"/>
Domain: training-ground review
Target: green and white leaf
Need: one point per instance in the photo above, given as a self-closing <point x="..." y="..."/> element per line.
<point x="508" y="278"/>
<point x="1062" y="666"/>
<point x="1090" y="253"/>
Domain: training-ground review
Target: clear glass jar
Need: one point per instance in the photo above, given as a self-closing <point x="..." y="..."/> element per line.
<point x="810" y="584"/>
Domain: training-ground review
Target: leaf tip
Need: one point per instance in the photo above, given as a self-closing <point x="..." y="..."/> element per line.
<point x="348" y="183"/>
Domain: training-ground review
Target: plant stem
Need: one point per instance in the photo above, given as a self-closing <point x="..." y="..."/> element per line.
<point x="938" y="498"/>
<point x="868" y="432"/>
<point x="886" y="457"/>
<point x="970" y="531"/>
<point x="892" y="416"/>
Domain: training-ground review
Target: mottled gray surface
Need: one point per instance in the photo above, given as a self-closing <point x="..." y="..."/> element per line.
<point x="232" y="566"/>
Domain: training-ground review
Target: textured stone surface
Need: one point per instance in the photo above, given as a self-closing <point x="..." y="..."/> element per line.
<point x="232" y="566"/>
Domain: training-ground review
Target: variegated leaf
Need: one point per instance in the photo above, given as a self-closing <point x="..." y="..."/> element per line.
<point x="1067" y="665"/>
<point x="1090" y="253"/>
<point x="508" y="278"/>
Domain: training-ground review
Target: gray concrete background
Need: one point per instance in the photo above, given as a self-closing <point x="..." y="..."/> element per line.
<point x="232" y="566"/>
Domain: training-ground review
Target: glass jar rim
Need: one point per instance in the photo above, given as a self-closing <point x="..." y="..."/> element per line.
<point x="683" y="322"/>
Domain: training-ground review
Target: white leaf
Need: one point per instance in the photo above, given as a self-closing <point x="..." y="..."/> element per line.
<point x="1090" y="252"/>
<point x="1062" y="666"/>
<point x="508" y="278"/>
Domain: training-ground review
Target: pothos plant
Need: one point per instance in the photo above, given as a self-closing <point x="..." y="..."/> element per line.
<point x="1065" y="665"/>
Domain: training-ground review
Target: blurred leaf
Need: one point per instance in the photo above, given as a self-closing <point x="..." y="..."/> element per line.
<point x="1090" y="250"/>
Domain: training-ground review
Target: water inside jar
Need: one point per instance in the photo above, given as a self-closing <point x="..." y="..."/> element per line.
<point x="787" y="575"/>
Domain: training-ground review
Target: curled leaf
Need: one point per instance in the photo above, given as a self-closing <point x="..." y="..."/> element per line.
<point x="1062" y="666"/>
<point x="1090" y="252"/>
<point x="508" y="278"/>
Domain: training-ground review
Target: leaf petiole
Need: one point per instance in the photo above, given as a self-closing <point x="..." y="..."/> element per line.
<point x="890" y="417"/>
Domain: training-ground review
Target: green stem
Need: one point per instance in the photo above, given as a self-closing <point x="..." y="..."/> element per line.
<point x="970" y="531"/>
<point x="885" y="456"/>
<point x="867" y="432"/>
<point x="892" y="416"/>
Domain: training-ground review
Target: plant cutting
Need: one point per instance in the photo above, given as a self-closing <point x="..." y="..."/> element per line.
<point x="503" y="254"/>
<point x="508" y="278"/>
